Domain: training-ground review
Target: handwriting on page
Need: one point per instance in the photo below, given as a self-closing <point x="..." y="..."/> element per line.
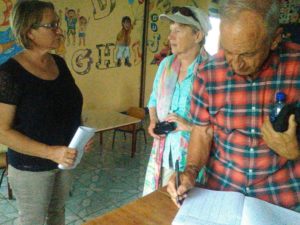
<point x="204" y="207"/>
<point x="208" y="207"/>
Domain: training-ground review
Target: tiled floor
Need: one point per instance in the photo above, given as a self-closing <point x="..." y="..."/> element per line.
<point x="102" y="181"/>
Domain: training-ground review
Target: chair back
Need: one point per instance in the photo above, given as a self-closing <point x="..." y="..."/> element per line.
<point x="136" y="112"/>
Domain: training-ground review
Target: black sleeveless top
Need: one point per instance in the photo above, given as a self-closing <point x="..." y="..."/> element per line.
<point x="47" y="111"/>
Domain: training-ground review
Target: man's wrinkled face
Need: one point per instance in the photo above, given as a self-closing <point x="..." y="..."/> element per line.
<point x="245" y="43"/>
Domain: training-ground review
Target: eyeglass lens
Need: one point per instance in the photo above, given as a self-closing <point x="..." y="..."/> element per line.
<point x="53" y="25"/>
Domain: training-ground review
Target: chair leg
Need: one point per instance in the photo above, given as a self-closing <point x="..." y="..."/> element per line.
<point x="145" y="136"/>
<point x="113" y="140"/>
<point x="2" y="175"/>
<point x="9" y="190"/>
<point x="71" y="190"/>
<point x="133" y="144"/>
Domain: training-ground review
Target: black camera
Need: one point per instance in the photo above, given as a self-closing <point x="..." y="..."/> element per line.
<point x="164" y="127"/>
<point x="281" y="122"/>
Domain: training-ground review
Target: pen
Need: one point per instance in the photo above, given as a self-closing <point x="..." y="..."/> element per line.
<point x="177" y="181"/>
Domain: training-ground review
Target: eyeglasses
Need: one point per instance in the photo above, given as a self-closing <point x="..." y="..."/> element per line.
<point x="52" y="26"/>
<point x="185" y="11"/>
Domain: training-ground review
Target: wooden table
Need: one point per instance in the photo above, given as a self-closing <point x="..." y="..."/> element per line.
<point x="154" y="209"/>
<point x="104" y="120"/>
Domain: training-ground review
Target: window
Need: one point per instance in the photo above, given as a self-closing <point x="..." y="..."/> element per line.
<point x="212" y="39"/>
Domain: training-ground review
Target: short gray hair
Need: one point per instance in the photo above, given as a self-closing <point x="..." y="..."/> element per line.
<point x="24" y="16"/>
<point x="268" y="9"/>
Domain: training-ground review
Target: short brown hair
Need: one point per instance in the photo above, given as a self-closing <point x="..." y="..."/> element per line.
<point x="24" y="15"/>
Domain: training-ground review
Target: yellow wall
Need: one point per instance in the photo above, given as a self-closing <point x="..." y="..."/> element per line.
<point x="109" y="87"/>
<point x="112" y="87"/>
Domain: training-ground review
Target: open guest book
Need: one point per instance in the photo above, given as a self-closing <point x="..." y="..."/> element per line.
<point x="207" y="207"/>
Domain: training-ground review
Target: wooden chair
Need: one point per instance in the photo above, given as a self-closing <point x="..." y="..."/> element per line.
<point x="132" y="129"/>
<point x="4" y="166"/>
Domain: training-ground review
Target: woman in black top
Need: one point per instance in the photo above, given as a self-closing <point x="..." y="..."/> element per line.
<point x="40" y="108"/>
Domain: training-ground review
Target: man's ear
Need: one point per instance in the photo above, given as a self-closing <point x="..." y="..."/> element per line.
<point x="277" y="38"/>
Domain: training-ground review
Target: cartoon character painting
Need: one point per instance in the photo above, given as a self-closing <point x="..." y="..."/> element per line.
<point x="71" y="18"/>
<point x="123" y="42"/>
<point x="83" y="22"/>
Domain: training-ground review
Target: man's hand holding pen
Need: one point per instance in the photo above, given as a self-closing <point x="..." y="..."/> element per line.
<point x="177" y="182"/>
<point x="185" y="183"/>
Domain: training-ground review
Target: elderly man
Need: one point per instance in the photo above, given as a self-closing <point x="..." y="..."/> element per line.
<point x="232" y="137"/>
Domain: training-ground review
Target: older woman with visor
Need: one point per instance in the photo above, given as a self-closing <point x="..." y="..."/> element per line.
<point x="170" y="97"/>
<point x="40" y="108"/>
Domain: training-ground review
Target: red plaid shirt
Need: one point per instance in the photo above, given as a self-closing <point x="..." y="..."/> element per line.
<point x="235" y="106"/>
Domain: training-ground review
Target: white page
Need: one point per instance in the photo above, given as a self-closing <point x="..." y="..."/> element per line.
<point x="207" y="207"/>
<point x="79" y="140"/>
<point x="257" y="212"/>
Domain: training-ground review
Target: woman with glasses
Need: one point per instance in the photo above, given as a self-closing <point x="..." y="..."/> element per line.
<point x="40" y="108"/>
<point x="170" y="97"/>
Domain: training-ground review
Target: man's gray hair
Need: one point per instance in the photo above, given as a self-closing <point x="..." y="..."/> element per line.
<point x="268" y="9"/>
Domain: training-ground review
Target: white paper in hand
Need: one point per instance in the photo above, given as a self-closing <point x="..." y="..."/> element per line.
<point x="80" y="139"/>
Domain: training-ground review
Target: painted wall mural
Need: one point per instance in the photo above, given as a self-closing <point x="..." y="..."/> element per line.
<point x="125" y="50"/>
<point x="8" y="47"/>
<point x="106" y="56"/>
<point x="81" y="61"/>
<point x="102" y="8"/>
<point x="121" y="52"/>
